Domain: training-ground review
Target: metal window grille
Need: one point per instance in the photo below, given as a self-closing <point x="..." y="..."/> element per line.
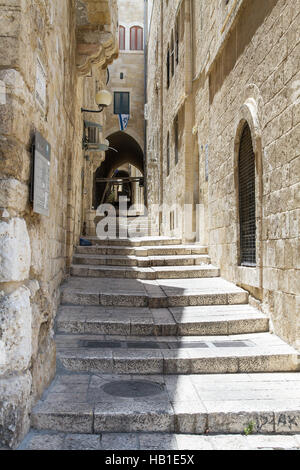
<point x="247" y="200"/>
<point x="176" y="139"/>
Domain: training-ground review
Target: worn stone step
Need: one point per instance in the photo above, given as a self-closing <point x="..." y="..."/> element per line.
<point x="195" y="404"/>
<point x="53" y="440"/>
<point x="149" y="261"/>
<point x="134" y="272"/>
<point x="261" y="352"/>
<point x="142" y="251"/>
<point x="160" y="293"/>
<point x="140" y="241"/>
<point x="181" y="321"/>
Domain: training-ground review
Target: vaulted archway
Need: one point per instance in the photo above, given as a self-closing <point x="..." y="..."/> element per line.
<point x="123" y="149"/>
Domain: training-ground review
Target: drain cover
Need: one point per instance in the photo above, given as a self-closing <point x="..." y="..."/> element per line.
<point x="230" y="344"/>
<point x="146" y="345"/>
<point x="100" y="344"/>
<point x="132" y="389"/>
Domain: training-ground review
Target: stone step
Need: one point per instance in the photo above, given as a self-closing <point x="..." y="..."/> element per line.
<point x="140" y="241"/>
<point x="142" y="251"/>
<point x="132" y="272"/>
<point x="195" y="404"/>
<point x="51" y="440"/>
<point x="181" y="321"/>
<point x="161" y="293"/>
<point x="132" y="260"/>
<point x="260" y="352"/>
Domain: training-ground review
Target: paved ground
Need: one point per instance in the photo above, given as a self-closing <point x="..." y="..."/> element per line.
<point x="185" y="404"/>
<point x="158" y="442"/>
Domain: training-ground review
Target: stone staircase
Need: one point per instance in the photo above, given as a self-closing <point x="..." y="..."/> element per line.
<point x="150" y="339"/>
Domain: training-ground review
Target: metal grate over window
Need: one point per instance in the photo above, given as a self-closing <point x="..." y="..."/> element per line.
<point x="247" y="200"/>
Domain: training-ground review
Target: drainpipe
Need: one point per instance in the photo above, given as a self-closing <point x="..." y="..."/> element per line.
<point x="145" y="96"/>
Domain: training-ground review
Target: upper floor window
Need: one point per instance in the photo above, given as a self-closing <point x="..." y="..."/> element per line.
<point x="121" y="102"/>
<point x="176" y="139"/>
<point x="168" y="68"/>
<point x="121" y="38"/>
<point x="136" y="38"/>
<point x="168" y="154"/>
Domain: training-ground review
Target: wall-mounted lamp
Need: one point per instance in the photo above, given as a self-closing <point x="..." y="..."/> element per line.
<point x="103" y="99"/>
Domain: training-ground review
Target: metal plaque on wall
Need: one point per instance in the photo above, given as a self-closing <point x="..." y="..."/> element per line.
<point x="41" y="175"/>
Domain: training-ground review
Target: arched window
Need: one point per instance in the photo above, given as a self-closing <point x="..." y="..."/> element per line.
<point x="136" y="38"/>
<point x="121" y="38"/>
<point x="247" y="200"/>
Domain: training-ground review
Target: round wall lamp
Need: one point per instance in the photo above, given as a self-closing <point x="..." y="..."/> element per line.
<point x="103" y="99"/>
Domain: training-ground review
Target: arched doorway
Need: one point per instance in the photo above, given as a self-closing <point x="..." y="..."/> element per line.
<point x="124" y="150"/>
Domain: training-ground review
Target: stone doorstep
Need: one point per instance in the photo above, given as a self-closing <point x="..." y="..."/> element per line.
<point x="159" y="301"/>
<point x="173" y="250"/>
<point x="156" y="296"/>
<point x="132" y="260"/>
<point x="167" y="362"/>
<point x="135" y="242"/>
<point x="180" y="272"/>
<point x="42" y="440"/>
<point x="166" y="355"/>
<point x="200" y="321"/>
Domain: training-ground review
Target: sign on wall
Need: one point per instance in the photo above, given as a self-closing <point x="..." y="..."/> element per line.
<point x="41" y="175"/>
<point x="41" y="84"/>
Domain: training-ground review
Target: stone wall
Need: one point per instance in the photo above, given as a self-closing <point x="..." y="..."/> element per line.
<point x="38" y="42"/>
<point x="244" y="67"/>
<point x="131" y="65"/>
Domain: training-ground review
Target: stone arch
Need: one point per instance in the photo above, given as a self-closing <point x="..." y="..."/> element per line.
<point x="131" y="133"/>
<point x="250" y="113"/>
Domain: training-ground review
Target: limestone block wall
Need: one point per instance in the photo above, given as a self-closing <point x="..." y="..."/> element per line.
<point x="244" y="68"/>
<point x="165" y="104"/>
<point x="42" y="92"/>
<point x="155" y="180"/>
<point x="130" y="63"/>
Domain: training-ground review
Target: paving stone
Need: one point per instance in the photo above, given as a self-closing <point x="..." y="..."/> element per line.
<point x="44" y="441"/>
<point x="134" y="417"/>
<point x="82" y="442"/>
<point x="117" y="441"/>
<point x="65" y="417"/>
<point x="191" y="442"/>
<point x="142" y="359"/>
<point x="158" y="442"/>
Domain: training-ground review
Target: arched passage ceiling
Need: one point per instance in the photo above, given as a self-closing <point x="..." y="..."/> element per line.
<point x="129" y="151"/>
